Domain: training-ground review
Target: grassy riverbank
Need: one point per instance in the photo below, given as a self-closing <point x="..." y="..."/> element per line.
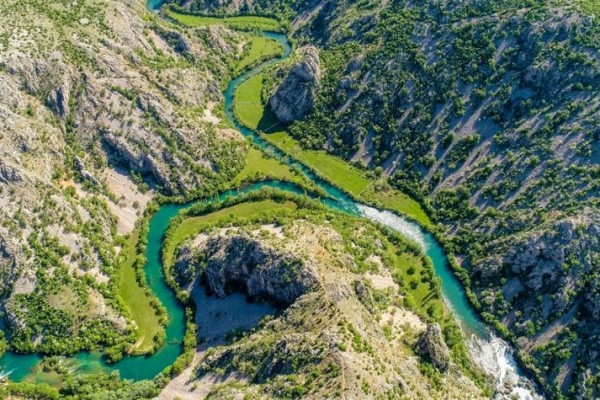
<point x="259" y="49"/>
<point x="260" y="166"/>
<point x="137" y="300"/>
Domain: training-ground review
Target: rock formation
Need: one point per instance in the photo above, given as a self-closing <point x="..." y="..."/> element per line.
<point x="338" y="334"/>
<point x="261" y="271"/>
<point x="433" y="347"/>
<point x="295" y="96"/>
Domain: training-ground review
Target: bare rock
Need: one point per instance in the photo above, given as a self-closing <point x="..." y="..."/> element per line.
<point x="180" y="43"/>
<point x="295" y="96"/>
<point x="433" y="347"/>
<point x="10" y="174"/>
<point x="124" y="153"/>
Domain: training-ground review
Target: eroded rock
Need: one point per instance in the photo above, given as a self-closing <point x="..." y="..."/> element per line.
<point x="240" y="262"/>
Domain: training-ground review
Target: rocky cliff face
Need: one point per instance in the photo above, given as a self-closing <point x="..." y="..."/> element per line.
<point x="294" y="98"/>
<point x="434" y="348"/>
<point x="241" y="263"/>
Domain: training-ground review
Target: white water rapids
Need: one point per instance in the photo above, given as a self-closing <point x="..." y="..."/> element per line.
<point x="490" y="352"/>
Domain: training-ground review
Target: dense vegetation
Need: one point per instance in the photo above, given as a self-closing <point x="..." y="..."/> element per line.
<point x="488" y="112"/>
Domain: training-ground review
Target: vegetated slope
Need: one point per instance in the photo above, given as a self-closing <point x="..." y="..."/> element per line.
<point x="351" y="316"/>
<point x="85" y="88"/>
<point x="489" y="112"/>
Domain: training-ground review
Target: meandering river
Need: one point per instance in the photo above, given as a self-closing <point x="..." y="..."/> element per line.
<point x="493" y="354"/>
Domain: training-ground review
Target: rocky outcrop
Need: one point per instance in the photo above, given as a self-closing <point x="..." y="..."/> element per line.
<point x="433" y="347"/>
<point x="86" y="175"/>
<point x="10" y="174"/>
<point x="50" y="76"/>
<point x="340" y="336"/>
<point x="295" y="96"/>
<point x="536" y="261"/>
<point x="123" y="152"/>
<point x="180" y="43"/>
<point x="58" y="100"/>
<point x="238" y="262"/>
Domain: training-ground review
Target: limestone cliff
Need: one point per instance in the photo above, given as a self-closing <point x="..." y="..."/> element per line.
<point x="294" y="98"/>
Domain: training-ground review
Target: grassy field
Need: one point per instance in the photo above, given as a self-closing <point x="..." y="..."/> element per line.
<point x="242" y="22"/>
<point x="248" y="107"/>
<point x="336" y="170"/>
<point x="258" y="165"/>
<point x="350" y="179"/>
<point x="193" y="225"/>
<point x="260" y="48"/>
<point x="252" y="113"/>
<point x="137" y="301"/>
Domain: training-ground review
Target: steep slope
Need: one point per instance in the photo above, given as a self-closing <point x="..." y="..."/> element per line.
<point x="488" y="111"/>
<point x="99" y="102"/>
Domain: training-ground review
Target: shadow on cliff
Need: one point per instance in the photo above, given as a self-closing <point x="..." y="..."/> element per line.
<point x="220" y="318"/>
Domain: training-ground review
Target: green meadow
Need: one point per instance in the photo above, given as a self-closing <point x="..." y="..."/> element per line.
<point x="241" y="22"/>
<point x="258" y="49"/>
<point x="137" y="300"/>
<point x="260" y="166"/>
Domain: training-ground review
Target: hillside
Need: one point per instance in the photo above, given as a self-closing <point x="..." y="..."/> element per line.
<point x="488" y="112"/>
<point x="345" y="318"/>
<point x="102" y="109"/>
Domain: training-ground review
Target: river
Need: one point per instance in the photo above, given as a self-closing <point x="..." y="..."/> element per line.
<point x="490" y="352"/>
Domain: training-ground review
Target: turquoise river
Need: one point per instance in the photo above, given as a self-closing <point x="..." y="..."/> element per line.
<point x="490" y="352"/>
